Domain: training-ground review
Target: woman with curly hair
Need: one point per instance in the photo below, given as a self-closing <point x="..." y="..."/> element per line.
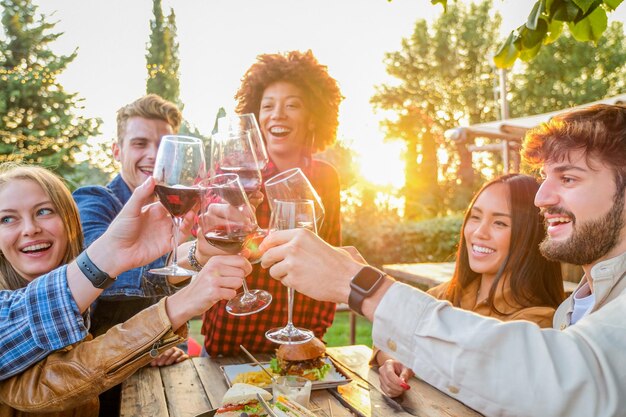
<point x="296" y="103"/>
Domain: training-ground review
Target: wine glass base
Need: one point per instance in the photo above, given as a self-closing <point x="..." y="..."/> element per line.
<point x="289" y="335"/>
<point x="245" y="304"/>
<point x="173" y="270"/>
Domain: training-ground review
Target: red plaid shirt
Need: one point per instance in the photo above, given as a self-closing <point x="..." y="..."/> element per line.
<point x="223" y="332"/>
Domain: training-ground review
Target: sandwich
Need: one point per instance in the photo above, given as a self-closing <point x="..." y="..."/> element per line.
<point x="241" y="398"/>
<point x="284" y="407"/>
<point x="305" y="359"/>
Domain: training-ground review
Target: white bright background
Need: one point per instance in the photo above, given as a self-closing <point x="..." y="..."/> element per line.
<point x="219" y="40"/>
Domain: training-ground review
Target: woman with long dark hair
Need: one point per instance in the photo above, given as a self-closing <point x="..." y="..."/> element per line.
<point x="499" y="271"/>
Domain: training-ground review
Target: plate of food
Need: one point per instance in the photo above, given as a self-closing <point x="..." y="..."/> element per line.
<point x="308" y="360"/>
<point x="254" y="401"/>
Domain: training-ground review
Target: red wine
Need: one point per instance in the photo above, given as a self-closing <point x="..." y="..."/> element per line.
<point x="229" y="242"/>
<point x="178" y="200"/>
<point x="250" y="178"/>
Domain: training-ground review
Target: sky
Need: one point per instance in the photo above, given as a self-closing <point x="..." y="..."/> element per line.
<point x="219" y="40"/>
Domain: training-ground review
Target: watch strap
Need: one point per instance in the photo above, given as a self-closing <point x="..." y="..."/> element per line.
<point x="97" y="277"/>
<point x="358" y="295"/>
<point x="355" y="301"/>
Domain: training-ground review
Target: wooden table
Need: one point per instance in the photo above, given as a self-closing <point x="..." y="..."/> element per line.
<point x="425" y="274"/>
<point x="194" y="386"/>
<point x="432" y="274"/>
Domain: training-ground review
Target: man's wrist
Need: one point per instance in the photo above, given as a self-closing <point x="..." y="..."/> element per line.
<point x="371" y="303"/>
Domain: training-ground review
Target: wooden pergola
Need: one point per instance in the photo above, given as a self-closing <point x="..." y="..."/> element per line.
<point x="510" y="132"/>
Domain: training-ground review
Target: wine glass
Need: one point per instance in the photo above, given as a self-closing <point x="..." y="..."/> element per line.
<point x="228" y="222"/>
<point x="292" y="184"/>
<point x="178" y="169"/>
<point x="234" y="153"/>
<point x="291" y="214"/>
<point x="239" y="123"/>
<point x="238" y="148"/>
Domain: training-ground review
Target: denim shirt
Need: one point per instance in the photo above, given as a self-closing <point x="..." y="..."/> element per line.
<point x="98" y="206"/>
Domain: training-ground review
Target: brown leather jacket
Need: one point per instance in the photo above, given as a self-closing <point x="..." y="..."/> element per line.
<point x="73" y="377"/>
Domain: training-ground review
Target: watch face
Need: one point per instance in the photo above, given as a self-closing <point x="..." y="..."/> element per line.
<point x="366" y="278"/>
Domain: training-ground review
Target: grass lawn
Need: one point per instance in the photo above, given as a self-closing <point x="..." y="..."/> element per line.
<point x="337" y="335"/>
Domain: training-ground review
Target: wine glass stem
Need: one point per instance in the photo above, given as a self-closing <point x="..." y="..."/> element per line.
<point x="246" y="292"/>
<point x="177" y="223"/>
<point x="290" y="296"/>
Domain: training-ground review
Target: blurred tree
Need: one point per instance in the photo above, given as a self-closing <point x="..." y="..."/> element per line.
<point x="571" y="73"/>
<point x="162" y="57"/>
<point x="341" y="156"/>
<point x="586" y="19"/>
<point x="38" y="123"/>
<point x="444" y="77"/>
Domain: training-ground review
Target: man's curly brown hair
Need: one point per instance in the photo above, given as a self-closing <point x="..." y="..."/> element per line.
<point x="322" y="95"/>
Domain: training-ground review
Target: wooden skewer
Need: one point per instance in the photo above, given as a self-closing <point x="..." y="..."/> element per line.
<point x="258" y="363"/>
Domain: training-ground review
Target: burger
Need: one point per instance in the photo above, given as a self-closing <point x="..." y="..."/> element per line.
<point x="242" y="398"/>
<point x="305" y="359"/>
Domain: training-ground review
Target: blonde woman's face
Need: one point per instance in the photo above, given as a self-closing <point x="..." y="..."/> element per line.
<point x="32" y="236"/>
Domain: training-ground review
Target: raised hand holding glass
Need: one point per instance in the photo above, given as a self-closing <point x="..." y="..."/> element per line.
<point x="291" y="214"/>
<point x="178" y="169"/>
<point x="228" y="222"/>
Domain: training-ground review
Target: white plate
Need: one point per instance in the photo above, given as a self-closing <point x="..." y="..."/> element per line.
<point x="332" y="379"/>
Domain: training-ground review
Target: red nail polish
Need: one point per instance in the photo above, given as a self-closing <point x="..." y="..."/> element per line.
<point x="405" y="386"/>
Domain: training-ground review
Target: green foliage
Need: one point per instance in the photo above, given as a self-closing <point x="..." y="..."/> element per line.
<point x="444" y="76"/>
<point x="162" y="57"/>
<point x="38" y="123"/>
<point x="586" y="19"/>
<point x="341" y="156"/>
<point x="383" y="237"/>
<point x="571" y="73"/>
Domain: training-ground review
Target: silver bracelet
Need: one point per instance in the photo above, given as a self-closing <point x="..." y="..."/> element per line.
<point x="191" y="257"/>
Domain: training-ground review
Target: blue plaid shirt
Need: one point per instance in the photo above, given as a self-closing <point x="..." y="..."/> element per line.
<point x="37" y="320"/>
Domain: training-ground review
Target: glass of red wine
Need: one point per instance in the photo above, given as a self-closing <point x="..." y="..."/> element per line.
<point x="178" y="169"/>
<point x="291" y="214"/>
<point x="228" y="222"/>
<point x="292" y="184"/>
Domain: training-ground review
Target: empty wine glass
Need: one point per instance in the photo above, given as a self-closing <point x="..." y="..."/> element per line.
<point x="238" y="148"/>
<point x="291" y="214"/>
<point x="178" y="169"/>
<point x="292" y="184"/>
<point x="228" y="222"/>
<point x="235" y="153"/>
<point x="241" y="123"/>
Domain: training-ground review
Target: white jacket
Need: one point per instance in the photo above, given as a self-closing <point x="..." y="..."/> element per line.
<point x="515" y="368"/>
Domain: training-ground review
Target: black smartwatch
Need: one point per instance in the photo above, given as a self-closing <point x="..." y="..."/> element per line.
<point x="97" y="277"/>
<point x="363" y="285"/>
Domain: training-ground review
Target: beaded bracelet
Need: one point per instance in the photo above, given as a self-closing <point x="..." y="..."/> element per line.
<point x="191" y="257"/>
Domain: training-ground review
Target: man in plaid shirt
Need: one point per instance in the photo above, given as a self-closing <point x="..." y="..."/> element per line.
<point x="296" y="103"/>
